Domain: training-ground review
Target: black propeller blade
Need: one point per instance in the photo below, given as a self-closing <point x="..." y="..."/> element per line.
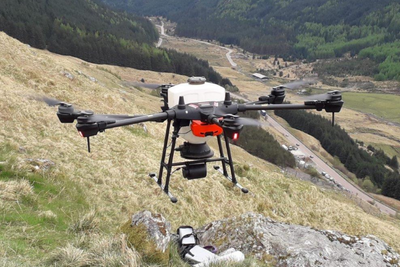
<point x="235" y="119"/>
<point x="89" y="118"/>
<point x="145" y="85"/>
<point x="329" y="96"/>
<point x="50" y="101"/>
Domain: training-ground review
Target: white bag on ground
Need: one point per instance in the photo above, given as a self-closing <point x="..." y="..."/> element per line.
<point x="199" y="256"/>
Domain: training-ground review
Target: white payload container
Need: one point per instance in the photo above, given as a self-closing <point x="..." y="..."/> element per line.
<point x="194" y="91"/>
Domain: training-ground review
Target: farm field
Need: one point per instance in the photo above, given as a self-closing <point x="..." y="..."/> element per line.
<point x="382" y="105"/>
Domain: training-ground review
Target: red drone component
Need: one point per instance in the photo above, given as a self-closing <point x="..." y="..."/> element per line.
<point x="235" y="136"/>
<point x="203" y="129"/>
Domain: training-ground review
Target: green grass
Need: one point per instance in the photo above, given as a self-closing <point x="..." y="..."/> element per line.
<point x="24" y="227"/>
<point x="383" y="105"/>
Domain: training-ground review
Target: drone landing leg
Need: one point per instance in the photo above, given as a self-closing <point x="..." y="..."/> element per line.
<point x="168" y="166"/>
<point x="171" y="197"/>
<point x="221" y="153"/>
<point x="230" y="162"/>
<point x="162" y="162"/>
<point x="170" y="160"/>
<point x="244" y="190"/>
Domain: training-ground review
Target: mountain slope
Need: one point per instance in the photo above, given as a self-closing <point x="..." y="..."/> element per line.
<point x="113" y="179"/>
<point x="311" y="29"/>
<point x="91" y="31"/>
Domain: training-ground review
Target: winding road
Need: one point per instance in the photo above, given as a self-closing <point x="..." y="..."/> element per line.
<point x="228" y="54"/>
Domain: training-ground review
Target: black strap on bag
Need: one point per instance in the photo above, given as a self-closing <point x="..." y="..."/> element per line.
<point x="184" y="249"/>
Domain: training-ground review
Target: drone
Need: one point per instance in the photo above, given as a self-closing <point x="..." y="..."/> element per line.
<point x="196" y="111"/>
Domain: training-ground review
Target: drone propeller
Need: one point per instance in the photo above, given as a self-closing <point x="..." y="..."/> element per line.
<point x="145" y="85"/>
<point x="329" y="96"/>
<point x="89" y="124"/>
<point x="50" y="101"/>
<point x="229" y="118"/>
<point x="332" y="98"/>
<point x="297" y="84"/>
<point x="249" y="122"/>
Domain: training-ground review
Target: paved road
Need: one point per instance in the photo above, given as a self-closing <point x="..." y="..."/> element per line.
<point x="160" y="40"/>
<point x="322" y="166"/>
<point x="228" y="54"/>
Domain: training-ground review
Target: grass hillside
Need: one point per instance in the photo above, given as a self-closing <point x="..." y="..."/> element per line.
<point x="55" y="197"/>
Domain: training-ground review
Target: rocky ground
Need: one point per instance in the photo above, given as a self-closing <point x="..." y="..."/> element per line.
<point x="279" y="244"/>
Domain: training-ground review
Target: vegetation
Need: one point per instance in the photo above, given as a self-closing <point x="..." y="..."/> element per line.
<point x="262" y="144"/>
<point x="93" y="32"/>
<point x="338" y="143"/>
<point x="114" y="177"/>
<point x="342" y="68"/>
<point x="37" y="210"/>
<point x="383" y="105"/>
<point x="311" y="29"/>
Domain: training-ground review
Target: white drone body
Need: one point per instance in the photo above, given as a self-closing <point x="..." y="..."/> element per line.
<point x="196" y="90"/>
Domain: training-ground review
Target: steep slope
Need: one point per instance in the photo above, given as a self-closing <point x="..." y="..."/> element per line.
<point x="91" y="31"/>
<point x="113" y="178"/>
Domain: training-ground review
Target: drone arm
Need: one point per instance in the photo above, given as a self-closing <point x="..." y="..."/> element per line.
<point x="328" y="105"/>
<point x="88" y="127"/>
<point x="243" y="108"/>
<point x="158" y="117"/>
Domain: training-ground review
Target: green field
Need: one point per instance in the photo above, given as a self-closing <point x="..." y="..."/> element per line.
<point x="383" y="105"/>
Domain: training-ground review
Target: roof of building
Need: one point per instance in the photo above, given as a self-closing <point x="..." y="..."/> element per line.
<point x="297" y="153"/>
<point x="260" y="76"/>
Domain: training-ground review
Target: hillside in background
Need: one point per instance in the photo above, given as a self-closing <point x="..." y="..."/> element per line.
<point x="312" y="29"/>
<point x="375" y="167"/>
<point x="59" y="201"/>
<point x="91" y="31"/>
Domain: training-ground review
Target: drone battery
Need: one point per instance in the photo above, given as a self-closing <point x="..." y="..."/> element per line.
<point x="194" y="171"/>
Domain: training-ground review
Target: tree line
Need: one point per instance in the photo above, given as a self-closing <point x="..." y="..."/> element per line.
<point x="91" y="31"/>
<point x="337" y="142"/>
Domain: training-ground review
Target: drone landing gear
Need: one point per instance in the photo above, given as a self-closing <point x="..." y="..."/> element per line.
<point x="171" y="197"/>
<point x="195" y="168"/>
<point x="228" y="161"/>
<point x="244" y="190"/>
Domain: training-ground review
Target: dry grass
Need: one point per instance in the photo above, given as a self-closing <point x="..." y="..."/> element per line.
<point x="85" y="224"/>
<point x="114" y="176"/>
<point x="389" y="201"/>
<point x="14" y="190"/>
<point x="96" y="250"/>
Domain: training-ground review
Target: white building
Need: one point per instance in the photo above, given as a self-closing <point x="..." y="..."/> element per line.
<point x="260" y="76"/>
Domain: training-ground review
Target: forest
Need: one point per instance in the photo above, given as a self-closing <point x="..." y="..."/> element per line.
<point x="92" y="32"/>
<point x="307" y="29"/>
<point x="338" y="143"/>
<point x="260" y="143"/>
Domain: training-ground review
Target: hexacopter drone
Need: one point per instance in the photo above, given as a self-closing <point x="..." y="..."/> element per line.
<point x="197" y="110"/>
